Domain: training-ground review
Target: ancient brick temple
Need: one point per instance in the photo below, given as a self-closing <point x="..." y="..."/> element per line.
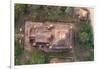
<point x="49" y="36"/>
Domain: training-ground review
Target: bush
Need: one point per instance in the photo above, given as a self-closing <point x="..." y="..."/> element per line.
<point x="36" y="57"/>
<point x="86" y="35"/>
<point x="18" y="49"/>
<point x="18" y="52"/>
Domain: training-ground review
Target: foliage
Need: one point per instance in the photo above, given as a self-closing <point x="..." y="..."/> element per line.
<point x="86" y="35"/>
<point x="36" y="57"/>
<point x="48" y="13"/>
<point x="19" y="11"/>
<point x="18" y="49"/>
<point x="43" y="12"/>
<point x="18" y="52"/>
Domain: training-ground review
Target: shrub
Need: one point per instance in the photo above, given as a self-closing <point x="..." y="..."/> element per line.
<point x="86" y="35"/>
<point x="18" y="52"/>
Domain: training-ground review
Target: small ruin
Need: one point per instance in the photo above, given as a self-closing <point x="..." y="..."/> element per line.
<point x="49" y="36"/>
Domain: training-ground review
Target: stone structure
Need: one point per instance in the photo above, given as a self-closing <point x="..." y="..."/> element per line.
<point x="49" y="37"/>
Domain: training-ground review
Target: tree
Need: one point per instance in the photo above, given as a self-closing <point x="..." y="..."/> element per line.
<point x="86" y="35"/>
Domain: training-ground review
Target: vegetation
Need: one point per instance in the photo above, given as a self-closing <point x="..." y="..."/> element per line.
<point x="18" y="52"/>
<point x="86" y="35"/>
<point x="19" y="11"/>
<point x="42" y="13"/>
<point x="36" y="57"/>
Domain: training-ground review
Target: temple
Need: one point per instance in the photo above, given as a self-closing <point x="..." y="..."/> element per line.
<point x="49" y="36"/>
